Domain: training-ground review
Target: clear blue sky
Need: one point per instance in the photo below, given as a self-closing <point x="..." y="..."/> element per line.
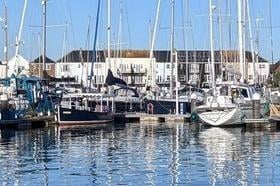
<point x="135" y="29"/>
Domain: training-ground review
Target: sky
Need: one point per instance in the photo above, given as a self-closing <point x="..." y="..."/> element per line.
<point x="69" y="21"/>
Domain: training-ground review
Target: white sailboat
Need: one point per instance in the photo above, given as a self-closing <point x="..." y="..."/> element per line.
<point x="230" y="103"/>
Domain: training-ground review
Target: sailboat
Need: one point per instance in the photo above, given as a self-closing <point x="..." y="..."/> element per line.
<point x="230" y="102"/>
<point x="23" y="99"/>
<point x="168" y="104"/>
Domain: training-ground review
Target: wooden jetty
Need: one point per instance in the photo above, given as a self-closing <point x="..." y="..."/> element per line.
<point x="26" y="122"/>
<point x="155" y="118"/>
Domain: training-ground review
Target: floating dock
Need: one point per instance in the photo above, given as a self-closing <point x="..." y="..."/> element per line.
<point x="26" y="122"/>
<point x="156" y="118"/>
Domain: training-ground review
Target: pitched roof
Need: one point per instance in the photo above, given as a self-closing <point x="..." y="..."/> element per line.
<point x="82" y="56"/>
<point x="160" y="55"/>
<point x="40" y="59"/>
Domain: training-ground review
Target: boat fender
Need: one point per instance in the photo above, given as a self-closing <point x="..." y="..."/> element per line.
<point x="194" y="117"/>
<point x="150" y="108"/>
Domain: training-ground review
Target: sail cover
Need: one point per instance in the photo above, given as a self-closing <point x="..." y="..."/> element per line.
<point x="111" y="80"/>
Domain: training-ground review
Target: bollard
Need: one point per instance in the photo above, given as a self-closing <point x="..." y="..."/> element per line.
<point x="256" y="104"/>
<point x="193" y="100"/>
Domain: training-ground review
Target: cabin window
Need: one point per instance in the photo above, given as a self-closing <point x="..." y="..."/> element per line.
<point x="244" y="93"/>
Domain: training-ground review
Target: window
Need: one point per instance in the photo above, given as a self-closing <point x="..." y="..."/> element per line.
<point x="250" y="76"/>
<point x="207" y="68"/>
<point x="167" y="66"/>
<point x="65" y="68"/>
<point x="168" y="78"/>
<point x="244" y="93"/>
<point x="194" y="68"/>
<point x="48" y="67"/>
<point x="261" y="65"/>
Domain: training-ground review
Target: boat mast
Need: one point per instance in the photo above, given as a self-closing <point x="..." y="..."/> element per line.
<point x="6" y="38"/>
<point x="240" y="40"/>
<point x="211" y="8"/>
<point x="251" y="42"/>
<point x="44" y="3"/>
<point x="186" y="43"/>
<point x="172" y="46"/>
<point x="271" y="38"/>
<point x="94" y="44"/>
<point x="109" y="34"/>
<point x="20" y="29"/>
<point x="18" y="40"/>
<point x="152" y="71"/>
<point x="177" y="83"/>
<point x="220" y="38"/>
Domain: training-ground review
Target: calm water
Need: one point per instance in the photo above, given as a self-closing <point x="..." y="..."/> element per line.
<point x="140" y="155"/>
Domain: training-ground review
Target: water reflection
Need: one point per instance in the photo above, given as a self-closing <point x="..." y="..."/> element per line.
<point x="162" y="154"/>
<point x="223" y="148"/>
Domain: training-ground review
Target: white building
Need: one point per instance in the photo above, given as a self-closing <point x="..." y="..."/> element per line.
<point x="134" y="66"/>
<point x="18" y="65"/>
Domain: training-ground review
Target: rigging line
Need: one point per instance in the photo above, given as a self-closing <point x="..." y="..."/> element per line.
<point x="71" y="25"/>
<point x="183" y="23"/>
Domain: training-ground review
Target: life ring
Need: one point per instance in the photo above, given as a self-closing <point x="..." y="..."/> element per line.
<point x="150" y="108"/>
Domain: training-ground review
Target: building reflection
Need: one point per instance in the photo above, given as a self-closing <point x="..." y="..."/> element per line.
<point x="149" y="154"/>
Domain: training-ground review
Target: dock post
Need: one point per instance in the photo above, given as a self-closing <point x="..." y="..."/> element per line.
<point x="256" y="103"/>
<point x="193" y="100"/>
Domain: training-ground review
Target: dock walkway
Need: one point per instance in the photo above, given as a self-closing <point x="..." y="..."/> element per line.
<point x="145" y="118"/>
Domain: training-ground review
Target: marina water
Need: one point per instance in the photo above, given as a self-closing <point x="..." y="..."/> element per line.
<point x="140" y="154"/>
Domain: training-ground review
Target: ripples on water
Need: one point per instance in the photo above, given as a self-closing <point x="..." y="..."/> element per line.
<point x="162" y="154"/>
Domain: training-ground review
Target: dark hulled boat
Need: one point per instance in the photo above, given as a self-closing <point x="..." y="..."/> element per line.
<point x="72" y="116"/>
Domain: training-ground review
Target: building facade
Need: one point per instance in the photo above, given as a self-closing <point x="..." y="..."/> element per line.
<point x="135" y="67"/>
<point x="36" y="67"/>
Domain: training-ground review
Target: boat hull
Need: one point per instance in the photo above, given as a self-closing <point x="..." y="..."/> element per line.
<point x="166" y="106"/>
<point x="220" y="116"/>
<point x="67" y="116"/>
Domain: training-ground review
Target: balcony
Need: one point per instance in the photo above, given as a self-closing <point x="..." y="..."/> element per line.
<point x="131" y="71"/>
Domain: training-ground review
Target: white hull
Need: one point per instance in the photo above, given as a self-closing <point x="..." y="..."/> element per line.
<point x="221" y="116"/>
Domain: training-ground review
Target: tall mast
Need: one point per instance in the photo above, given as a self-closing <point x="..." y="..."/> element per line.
<point x="271" y="39"/>
<point x="44" y="3"/>
<point x="6" y="37"/>
<point x="186" y="44"/>
<point x="172" y="46"/>
<point x="151" y="75"/>
<point x="240" y="40"/>
<point x="220" y="37"/>
<point x="211" y="8"/>
<point x="109" y="34"/>
<point x="21" y="27"/>
<point x="94" y="43"/>
<point x="257" y="49"/>
<point x="251" y="42"/>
